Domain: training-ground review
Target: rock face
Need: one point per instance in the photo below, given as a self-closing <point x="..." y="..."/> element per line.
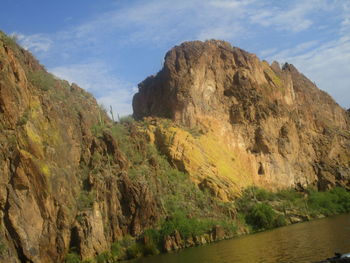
<point x="275" y="128"/>
<point x="61" y="184"/>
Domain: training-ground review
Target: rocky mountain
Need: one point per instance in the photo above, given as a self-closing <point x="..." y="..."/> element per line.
<point x="259" y="124"/>
<point x="76" y="186"/>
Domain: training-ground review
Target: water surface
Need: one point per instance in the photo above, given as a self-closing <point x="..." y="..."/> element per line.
<point x="304" y="242"/>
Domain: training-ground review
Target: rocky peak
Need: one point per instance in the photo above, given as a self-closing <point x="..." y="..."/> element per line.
<point x="195" y="78"/>
<point x="276" y="118"/>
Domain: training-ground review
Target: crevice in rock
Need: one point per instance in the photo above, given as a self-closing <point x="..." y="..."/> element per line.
<point x="261" y="170"/>
<point x="74" y="244"/>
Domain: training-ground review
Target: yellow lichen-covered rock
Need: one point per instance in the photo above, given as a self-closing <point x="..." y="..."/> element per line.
<point x="205" y="157"/>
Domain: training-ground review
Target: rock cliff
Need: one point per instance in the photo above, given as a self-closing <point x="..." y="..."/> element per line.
<point x="63" y="180"/>
<point x="258" y="124"/>
<point x="76" y="186"/>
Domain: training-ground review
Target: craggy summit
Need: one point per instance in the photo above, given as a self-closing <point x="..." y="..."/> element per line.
<point x="281" y="130"/>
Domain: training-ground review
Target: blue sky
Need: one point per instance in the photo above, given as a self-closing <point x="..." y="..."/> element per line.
<point x="108" y="47"/>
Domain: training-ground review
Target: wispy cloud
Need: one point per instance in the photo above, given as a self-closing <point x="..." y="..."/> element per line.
<point x="291" y="19"/>
<point x="142" y="25"/>
<point x="97" y="79"/>
<point x="38" y="42"/>
<point x="327" y="65"/>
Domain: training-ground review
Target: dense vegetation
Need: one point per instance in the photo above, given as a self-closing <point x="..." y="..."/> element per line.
<point x="264" y="210"/>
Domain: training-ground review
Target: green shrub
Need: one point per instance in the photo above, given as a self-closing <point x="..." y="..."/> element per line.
<point x="72" y="258"/>
<point x="186" y="226"/>
<point x="116" y="250"/>
<point x="10" y="41"/>
<point x="134" y="251"/>
<point x="97" y="129"/>
<point x="153" y="236"/>
<point x="331" y="202"/>
<point x="2" y="247"/>
<point x="279" y="220"/>
<point x="229" y="226"/>
<point x="288" y="195"/>
<point x="262" y="216"/>
<point x="126" y="119"/>
<point x="150" y="249"/>
<point x="85" y="200"/>
<point x="127" y="241"/>
<point x="103" y="257"/>
<point x="24" y="118"/>
<point x="42" y="80"/>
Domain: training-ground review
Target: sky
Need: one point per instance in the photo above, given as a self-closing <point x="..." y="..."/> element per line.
<point x="109" y="46"/>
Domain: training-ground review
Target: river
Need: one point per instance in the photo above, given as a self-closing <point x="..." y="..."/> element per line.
<point x="304" y="242"/>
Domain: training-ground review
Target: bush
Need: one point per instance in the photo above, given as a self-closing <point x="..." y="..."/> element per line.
<point x="116" y="250"/>
<point x="104" y="257"/>
<point x="331" y="202"/>
<point x="72" y="258"/>
<point x="85" y="200"/>
<point x="42" y="80"/>
<point x="2" y="247"/>
<point x="150" y="249"/>
<point x="134" y="251"/>
<point x="10" y="41"/>
<point x="126" y="119"/>
<point x="127" y="241"/>
<point x="188" y="227"/>
<point x="153" y="236"/>
<point x="229" y="226"/>
<point x="97" y="130"/>
<point x="288" y="195"/>
<point x="262" y="216"/>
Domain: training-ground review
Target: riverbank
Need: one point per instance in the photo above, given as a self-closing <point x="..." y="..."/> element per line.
<point x="259" y="210"/>
<point x="255" y="211"/>
<point x="305" y="242"/>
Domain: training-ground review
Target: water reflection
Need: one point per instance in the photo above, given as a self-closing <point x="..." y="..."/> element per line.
<point x="305" y="242"/>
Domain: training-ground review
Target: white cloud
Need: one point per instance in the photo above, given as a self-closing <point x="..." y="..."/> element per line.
<point x="36" y="42"/>
<point x="160" y="22"/>
<point x="267" y="52"/>
<point x="163" y="23"/>
<point x="231" y="4"/>
<point x="290" y="18"/>
<point x="299" y="49"/>
<point x="96" y="78"/>
<point x="222" y="32"/>
<point x="328" y="65"/>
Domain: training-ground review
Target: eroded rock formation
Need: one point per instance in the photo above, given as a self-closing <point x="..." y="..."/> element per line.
<point x="272" y="126"/>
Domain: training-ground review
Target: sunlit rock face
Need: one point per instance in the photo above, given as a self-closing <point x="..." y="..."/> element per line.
<point x="260" y="124"/>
